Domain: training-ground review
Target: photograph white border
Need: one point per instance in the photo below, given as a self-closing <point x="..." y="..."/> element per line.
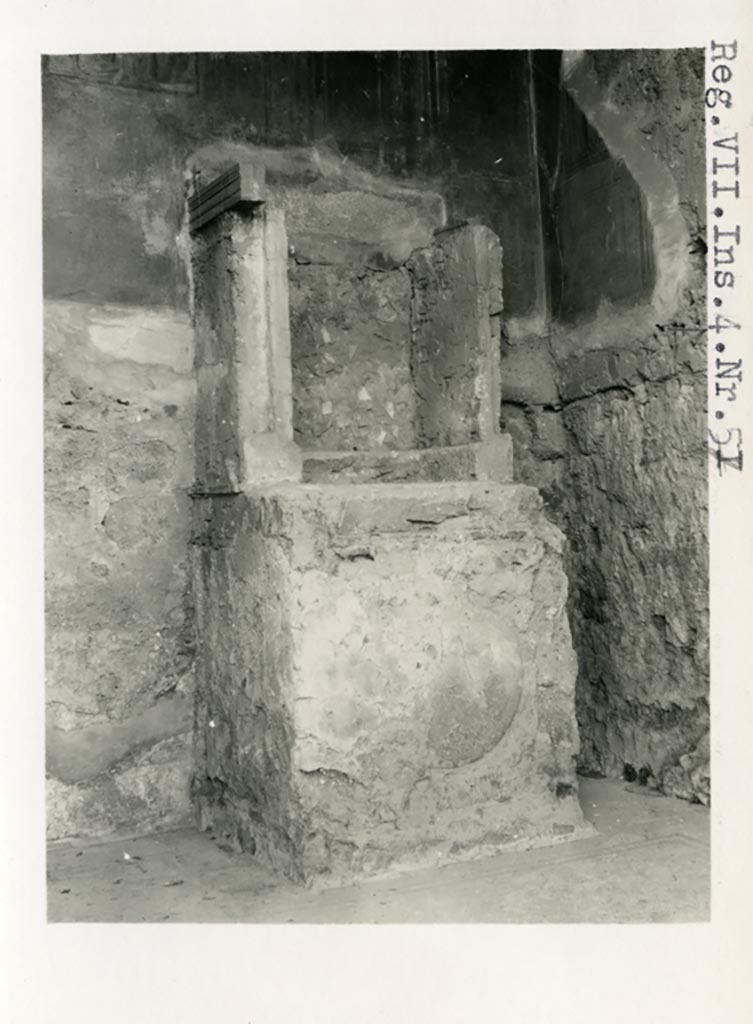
<point x="236" y="974"/>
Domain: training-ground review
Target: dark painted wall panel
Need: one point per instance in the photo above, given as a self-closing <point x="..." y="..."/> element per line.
<point x="117" y="129"/>
<point x="597" y="239"/>
<point x="604" y="239"/>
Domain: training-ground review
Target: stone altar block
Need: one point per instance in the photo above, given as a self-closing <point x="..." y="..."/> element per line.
<point x="385" y="672"/>
<point x="388" y="677"/>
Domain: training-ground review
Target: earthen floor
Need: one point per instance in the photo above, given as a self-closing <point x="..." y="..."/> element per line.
<point x="647" y="861"/>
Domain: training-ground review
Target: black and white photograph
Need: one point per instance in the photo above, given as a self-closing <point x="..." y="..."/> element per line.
<point x="376" y="486"/>
<point x="388" y="428"/>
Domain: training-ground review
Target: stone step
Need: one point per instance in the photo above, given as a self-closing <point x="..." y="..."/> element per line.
<point x="489" y="460"/>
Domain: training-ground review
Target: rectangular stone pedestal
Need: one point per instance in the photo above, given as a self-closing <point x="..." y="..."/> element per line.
<point x="386" y="675"/>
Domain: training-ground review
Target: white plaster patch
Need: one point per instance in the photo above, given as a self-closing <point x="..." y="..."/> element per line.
<point x="143" y="335"/>
<point x="158" y="235"/>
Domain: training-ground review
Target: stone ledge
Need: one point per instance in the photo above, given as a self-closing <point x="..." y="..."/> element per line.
<point x="361" y="509"/>
<point x="491" y="461"/>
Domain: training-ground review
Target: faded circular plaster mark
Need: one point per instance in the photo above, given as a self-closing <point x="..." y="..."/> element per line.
<point x="476" y="700"/>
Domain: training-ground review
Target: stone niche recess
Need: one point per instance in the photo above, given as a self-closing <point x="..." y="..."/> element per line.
<point x="385" y="676"/>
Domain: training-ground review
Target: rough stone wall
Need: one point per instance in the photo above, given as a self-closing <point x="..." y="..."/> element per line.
<point x="119" y="610"/>
<point x="118" y="427"/>
<point x="607" y="412"/>
<point x="350" y="305"/>
<point x="455" y="323"/>
<point x="388" y="675"/>
<point x="351" y="339"/>
<point x="637" y="511"/>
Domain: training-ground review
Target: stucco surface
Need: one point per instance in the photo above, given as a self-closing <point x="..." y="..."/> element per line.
<point x="386" y="674"/>
<point x="119" y="610"/>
